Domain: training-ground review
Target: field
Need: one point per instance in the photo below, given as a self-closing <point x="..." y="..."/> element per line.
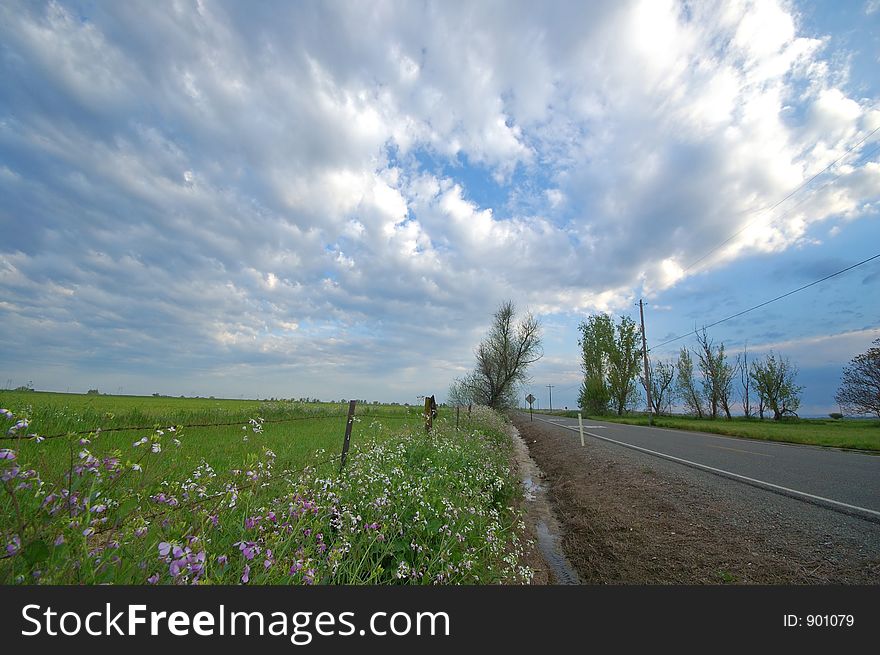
<point x="858" y="434"/>
<point x="138" y="490"/>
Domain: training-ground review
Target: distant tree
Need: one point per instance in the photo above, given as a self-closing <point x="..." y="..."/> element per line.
<point x="461" y="391"/>
<point x="504" y="357"/>
<point x="745" y="380"/>
<point x="860" y="388"/>
<point x="596" y="340"/>
<point x="610" y="362"/>
<point x="774" y="379"/>
<point x="717" y="374"/>
<point x="623" y="364"/>
<point x="662" y="378"/>
<point x="94" y="392"/>
<point x="686" y="386"/>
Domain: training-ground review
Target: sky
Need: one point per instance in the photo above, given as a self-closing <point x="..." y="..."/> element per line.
<point x="330" y="199"/>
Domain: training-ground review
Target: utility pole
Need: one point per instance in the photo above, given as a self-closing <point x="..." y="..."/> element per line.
<point x="645" y="357"/>
<point x="550" y="386"/>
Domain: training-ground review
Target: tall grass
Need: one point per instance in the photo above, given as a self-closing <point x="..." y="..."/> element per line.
<point x="184" y="506"/>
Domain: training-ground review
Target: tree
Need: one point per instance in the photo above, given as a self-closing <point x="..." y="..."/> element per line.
<point x="717" y="374"/>
<point x="774" y="379"/>
<point x="503" y="359"/>
<point x="597" y="337"/>
<point x="860" y="388"/>
<point x="685" y="386"/>
<point x="460" y="392"/>
<point x="662" y="377"/>
<point x="610" y="362"/>
<point x="745" y="380"/>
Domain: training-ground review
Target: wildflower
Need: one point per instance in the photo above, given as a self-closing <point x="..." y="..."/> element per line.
<point x="140" y="442"/>
<point x="140" y="532"/>
<point x="176" y="442"/>
<point x="153" y="579"/>
<point x="156" y="447"/>
<point x="14" y="545"/>
<point x="88" y="532"/>
<point x="5" y="453"/>
<point x="6" y="413"/>
<point x="136" y="467"/>
<point x="246" y="575"/>
<point x="248" y="548"/>
<point x="164" y="548"/>
<point x="59" y="540"/>
<point x="222" y="559"/>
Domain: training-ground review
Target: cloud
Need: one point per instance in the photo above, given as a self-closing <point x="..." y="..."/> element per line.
<point x="229" y="185"/>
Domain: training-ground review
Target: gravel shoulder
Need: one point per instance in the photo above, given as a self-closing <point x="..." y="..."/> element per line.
<point x="631" y="518"/>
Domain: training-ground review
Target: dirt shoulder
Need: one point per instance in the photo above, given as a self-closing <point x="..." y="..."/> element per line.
<point x="630" y="518"/>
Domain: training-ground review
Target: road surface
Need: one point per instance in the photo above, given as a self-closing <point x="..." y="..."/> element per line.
<point x="844" y="481"/>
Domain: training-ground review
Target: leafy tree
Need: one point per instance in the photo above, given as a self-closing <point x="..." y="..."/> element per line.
<point x="774" y="379"/>
<point x="610" y="362"/>
<point x="685" y="386"/>
<point x="503" y="359"/>
<point x="860" y="388"/>
<point x="597" y="337"/>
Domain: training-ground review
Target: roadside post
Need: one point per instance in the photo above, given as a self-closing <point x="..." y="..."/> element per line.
<point x="581" y="427"/>
<point x="530" y="399"/>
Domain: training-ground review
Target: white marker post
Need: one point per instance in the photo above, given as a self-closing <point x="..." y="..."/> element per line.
<point x="581" y="427"/>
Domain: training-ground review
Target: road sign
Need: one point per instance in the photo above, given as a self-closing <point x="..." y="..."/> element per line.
<point x="530" y="399"/>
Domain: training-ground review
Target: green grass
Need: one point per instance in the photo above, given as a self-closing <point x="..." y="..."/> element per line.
<point x="226" y="505"/>
<point x="857" y="434"/>
<point x="301" y="430"/>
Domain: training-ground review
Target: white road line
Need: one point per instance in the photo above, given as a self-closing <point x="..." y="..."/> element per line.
<point x="726" y="473"/>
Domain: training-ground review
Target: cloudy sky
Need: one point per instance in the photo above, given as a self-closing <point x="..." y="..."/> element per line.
<point x="331" y="198"/>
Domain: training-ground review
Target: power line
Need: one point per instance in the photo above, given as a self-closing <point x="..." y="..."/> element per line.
<point x="792" y="193"/>
<point x="767" y="302"/>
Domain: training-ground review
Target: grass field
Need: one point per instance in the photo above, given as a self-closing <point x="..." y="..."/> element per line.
<point x="858" y="434"/>
<point x="157" y="497"/>
<point x="295" y="432"/>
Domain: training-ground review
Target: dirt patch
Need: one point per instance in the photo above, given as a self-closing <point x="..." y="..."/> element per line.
<point x="629" y="520"/>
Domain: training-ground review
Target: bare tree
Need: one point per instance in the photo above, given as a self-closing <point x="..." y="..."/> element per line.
<point x="686" y="386"/>
<point x="662" y="377"/>
<point x="717" y="374"/>
<point x="860" y="389"/>
<point x="503" y="358"/>
<point x="745" y="380"/>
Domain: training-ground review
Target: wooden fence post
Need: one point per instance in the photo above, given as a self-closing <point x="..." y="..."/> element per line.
<point x="345" y="443"/>
<point x="457" y="408"/>
<point x="430" y="412"/>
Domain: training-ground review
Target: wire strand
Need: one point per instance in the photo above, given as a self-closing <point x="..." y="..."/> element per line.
<point x="767" y="302"/>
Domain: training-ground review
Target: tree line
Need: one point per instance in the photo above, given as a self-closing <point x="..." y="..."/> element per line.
<point x="705" y="380"/>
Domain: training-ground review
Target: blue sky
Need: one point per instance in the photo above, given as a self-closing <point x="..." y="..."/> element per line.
<point x="331" y="198"/>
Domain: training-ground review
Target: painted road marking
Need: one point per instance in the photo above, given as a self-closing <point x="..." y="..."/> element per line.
<point x="761" y="483"/>
<point x="738" y="450"/>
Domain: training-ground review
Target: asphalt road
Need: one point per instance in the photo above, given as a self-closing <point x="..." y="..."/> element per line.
<point x="844" y="481"/>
